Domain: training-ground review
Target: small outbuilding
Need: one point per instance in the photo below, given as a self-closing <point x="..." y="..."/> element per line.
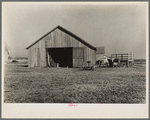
<point x="60" y="46"/>
<point x="100" y="51"/>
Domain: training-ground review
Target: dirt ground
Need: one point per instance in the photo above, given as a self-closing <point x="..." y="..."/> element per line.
<point x="74" y="85"/>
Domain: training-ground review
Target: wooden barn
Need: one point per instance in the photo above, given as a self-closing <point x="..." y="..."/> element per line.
<point x="60" y="46"/>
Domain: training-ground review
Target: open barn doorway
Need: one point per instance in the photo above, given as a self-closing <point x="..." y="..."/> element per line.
<point x="63" y="56"/>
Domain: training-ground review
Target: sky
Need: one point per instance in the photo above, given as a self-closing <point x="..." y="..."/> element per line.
<point x="119" y="27"/>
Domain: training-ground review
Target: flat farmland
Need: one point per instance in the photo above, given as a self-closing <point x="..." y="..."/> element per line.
<point x="74" y="85"/>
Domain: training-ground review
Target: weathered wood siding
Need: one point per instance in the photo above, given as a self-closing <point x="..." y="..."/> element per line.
<point x="78" y="56"/>
<point x="38" y="55"/>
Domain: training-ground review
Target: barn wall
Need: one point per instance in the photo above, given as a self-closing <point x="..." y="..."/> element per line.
<point x="37" y="55"/>
<point x="29" y="57"/>
<point x="57" y="38"/>
<point x="78" y="56"/>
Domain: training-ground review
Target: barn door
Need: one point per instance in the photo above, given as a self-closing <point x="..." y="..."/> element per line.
<point x="78" y="56"/>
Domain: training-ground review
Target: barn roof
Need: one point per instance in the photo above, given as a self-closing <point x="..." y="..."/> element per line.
<point x="66" y="31"/>
<point x="100" y="50"/>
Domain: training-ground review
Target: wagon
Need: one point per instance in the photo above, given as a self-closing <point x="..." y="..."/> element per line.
<point x="125" y="59"/>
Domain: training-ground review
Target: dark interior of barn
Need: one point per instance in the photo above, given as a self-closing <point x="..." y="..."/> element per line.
<point x="63" y="56"/>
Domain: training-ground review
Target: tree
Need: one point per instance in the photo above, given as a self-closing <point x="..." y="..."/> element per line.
<point x="7" y="52"/>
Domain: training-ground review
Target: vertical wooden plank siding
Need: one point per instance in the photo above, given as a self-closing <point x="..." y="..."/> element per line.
<point x="64" y="39"/>
<point x="78" y="56"/>
<point x="50" y="40"/>
<point x="29" y="57"/>
<point x="71" y="41"/>
<point x="46" y="54"/>
<point x="35" y="52"/>
<point x="42" y="53"/>
<point x="85" y="54"/>
<point x="59" y="38"/>
<point x="75" y="43"/>
<point x="38" y="57"/>
<point x="33" y="57"/>
<point x="68" y="41"/>
<point x="90" y="55"/>
<point x="80" y="44"/>
<point x="48" y="43"/>
<point x="55" y="38"/>
<point x="94" y="57"/>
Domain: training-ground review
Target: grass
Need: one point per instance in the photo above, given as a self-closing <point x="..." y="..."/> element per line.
<point x="73" y="85"/>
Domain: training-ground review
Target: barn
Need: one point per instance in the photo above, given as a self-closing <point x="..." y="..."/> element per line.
<point x="60" y="46"/>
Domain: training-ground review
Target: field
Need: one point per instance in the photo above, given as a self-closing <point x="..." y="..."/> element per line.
<point x="73" y="85"/>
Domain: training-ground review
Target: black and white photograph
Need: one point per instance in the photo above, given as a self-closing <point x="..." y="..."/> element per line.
<point x="78" y="55"/>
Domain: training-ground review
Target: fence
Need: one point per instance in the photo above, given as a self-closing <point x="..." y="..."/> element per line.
<point x="139" y="62"/>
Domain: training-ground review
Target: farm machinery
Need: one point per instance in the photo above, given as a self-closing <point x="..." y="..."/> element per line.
<point x="117" y="60"/>
<point x="88" y="67"/>
<point x="124" y="59"/>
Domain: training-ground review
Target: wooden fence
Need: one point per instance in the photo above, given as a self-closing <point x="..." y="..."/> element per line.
<point x="140" y="62"/>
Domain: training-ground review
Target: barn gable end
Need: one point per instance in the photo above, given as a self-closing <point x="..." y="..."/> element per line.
<point x="39" y="55"/>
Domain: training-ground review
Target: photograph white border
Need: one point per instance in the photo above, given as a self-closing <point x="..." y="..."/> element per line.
<point x="46" y="110"/>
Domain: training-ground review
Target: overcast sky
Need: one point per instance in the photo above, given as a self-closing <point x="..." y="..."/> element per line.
<point x="120" y="28"/>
